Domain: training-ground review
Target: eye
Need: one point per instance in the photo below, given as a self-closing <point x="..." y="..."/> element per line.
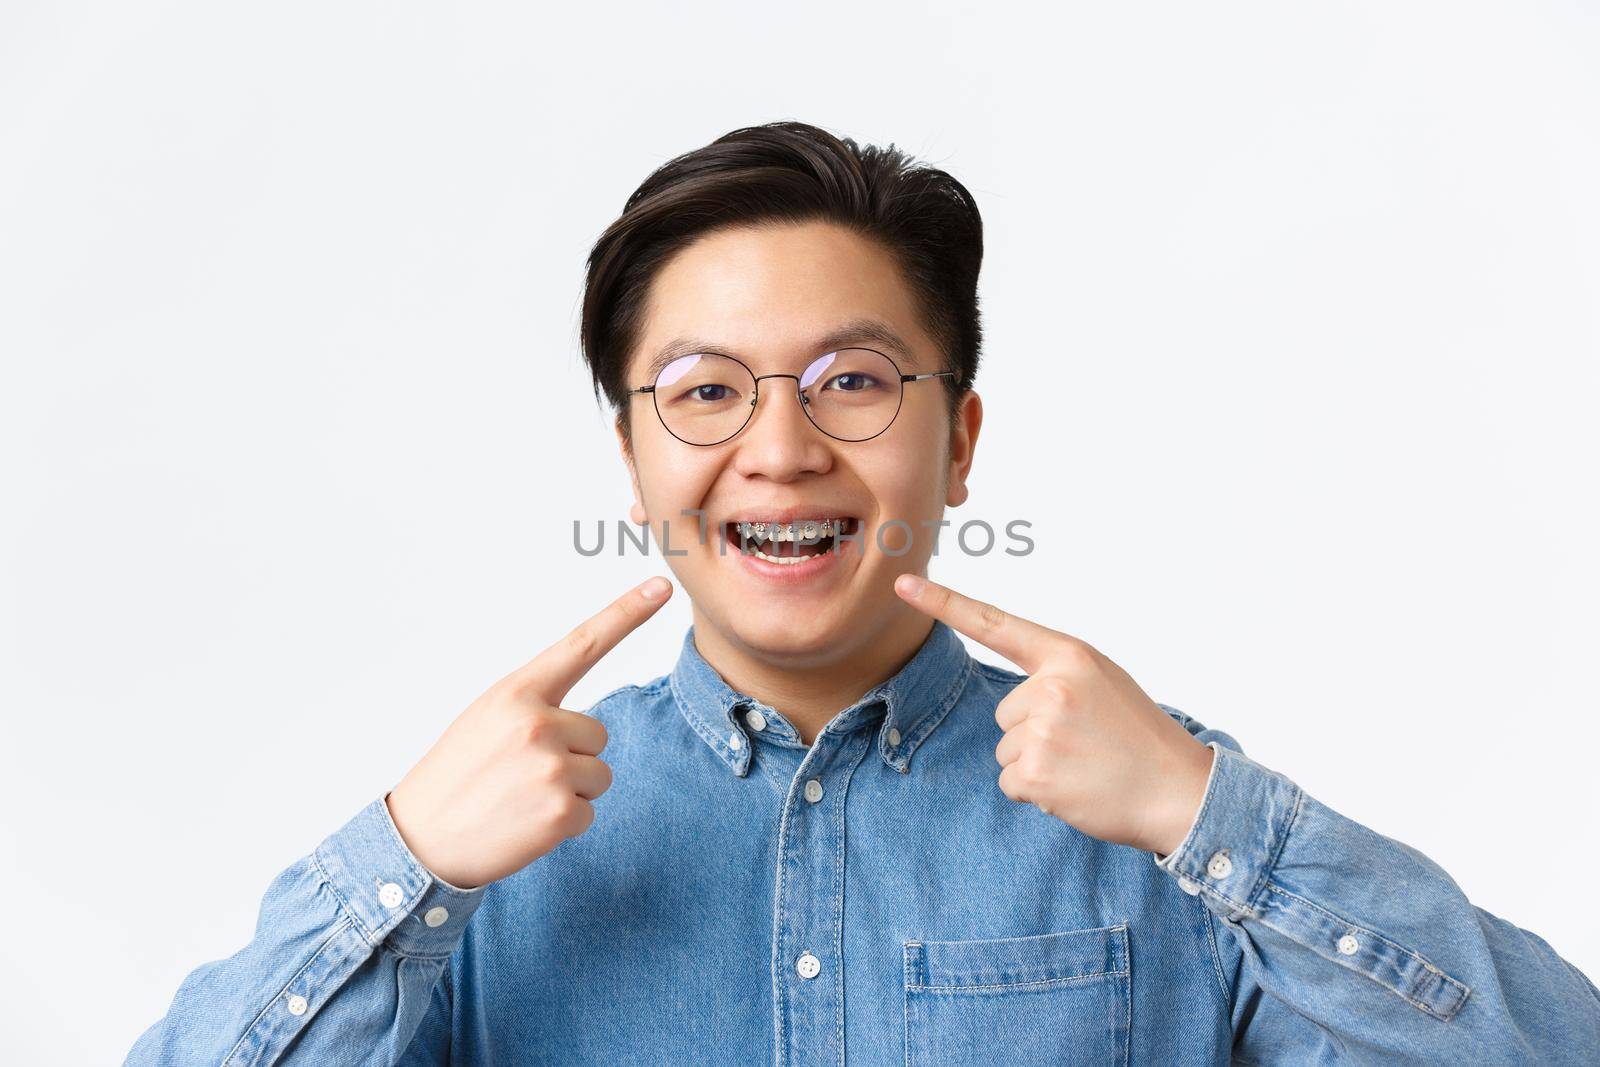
<point x="852" y="382"/>
<point x="710" y="392"/>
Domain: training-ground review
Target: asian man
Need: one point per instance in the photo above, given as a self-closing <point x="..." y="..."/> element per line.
<point x="827" y="834"/>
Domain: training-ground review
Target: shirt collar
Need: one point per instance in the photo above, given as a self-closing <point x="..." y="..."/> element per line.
<point x="912" y="703"/>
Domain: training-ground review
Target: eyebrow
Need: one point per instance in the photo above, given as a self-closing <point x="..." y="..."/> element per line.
<point x="855" y="332"/>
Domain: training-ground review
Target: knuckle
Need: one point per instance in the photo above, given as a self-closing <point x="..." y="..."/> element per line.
<point x="990" y="617"/>
<point x="550" y="769"/>
<point x="504" y="697"/>
<point x="567" y="807"/>
<point x="560" y="808"/>
<point x="1076" y="655"/>
<point x="630" y="608"/>
<point x="507" y="716"/>
<point x="576" y="815"/>
<point x="581" y="641"/>
<point x="516" y="696"/>
<point x="1057" y="689"/>
<point x="537" y="730"/>
<point x="1008" y="703"/>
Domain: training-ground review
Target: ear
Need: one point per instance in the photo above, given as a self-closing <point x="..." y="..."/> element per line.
<point x="636" y="512"/>
<point x="963" y="442"/>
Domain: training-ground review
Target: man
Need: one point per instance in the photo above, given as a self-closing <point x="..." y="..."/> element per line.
<point x="794" y="847"/>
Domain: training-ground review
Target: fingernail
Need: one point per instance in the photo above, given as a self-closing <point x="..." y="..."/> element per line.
<point x="654" y="589"/>
<point x="909" y="584"/>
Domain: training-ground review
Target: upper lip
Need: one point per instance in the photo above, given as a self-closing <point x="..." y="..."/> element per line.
<point x="791" y="513"/>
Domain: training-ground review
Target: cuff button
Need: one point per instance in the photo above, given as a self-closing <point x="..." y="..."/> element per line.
<point x="391" y="895"/>
<point x="436" y="917"/>
<point x="1220" y="866"/>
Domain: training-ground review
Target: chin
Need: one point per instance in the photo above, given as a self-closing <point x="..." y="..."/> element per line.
<point x="779" y="634"/>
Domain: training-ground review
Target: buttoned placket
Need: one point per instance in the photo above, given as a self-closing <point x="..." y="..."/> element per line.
<point x="756" y="743"/>
<point x="808" y="893"/>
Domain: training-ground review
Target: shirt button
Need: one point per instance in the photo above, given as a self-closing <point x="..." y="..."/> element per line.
<point x="814" y="790"/>
<point x="391" y="895"/>
<point x="297" y="1005"/>
<point x="1220" y="866"/>
<point x="1348" y="945"/>
<point x="735" y="742"/>
<point x="1192" y="888"/>
<point x="894" y="736"/>
<point x="808" y="965"/>
<point x="436" y="917"/>
<point x="757" y="721"/>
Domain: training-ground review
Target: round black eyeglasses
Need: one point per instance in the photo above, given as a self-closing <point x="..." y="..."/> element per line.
<point x="851" y="395"/>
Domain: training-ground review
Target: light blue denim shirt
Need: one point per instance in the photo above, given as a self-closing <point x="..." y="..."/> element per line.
<point x="743" y="898"/>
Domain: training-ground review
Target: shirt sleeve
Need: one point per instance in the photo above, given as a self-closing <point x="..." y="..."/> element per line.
<point x="1352" y="947"/>
<point x="349" y="946"/>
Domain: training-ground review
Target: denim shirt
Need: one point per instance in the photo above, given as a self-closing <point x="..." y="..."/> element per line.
<point x="874" y="897"/>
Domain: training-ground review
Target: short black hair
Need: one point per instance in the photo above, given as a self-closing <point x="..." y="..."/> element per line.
<point x="789" y="172"/>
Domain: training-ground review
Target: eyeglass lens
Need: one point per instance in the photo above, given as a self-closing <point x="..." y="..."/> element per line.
<point x="851" y="394"/>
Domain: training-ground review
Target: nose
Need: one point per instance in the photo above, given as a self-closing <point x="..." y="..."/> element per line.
<point x="779" y="442"/>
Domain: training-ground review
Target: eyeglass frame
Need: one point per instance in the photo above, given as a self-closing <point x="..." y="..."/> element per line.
<point x="799" y="393"/>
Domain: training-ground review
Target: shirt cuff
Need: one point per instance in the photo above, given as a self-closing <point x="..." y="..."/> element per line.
<point x="389" y="895"/>
<point x="1237" y="835"/>
<point x="1211" y="774"/>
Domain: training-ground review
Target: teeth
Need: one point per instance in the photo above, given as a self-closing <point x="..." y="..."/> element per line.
<point x="804" y="529"/>
<point x="785" y="560"/>
<point x="754" y="534"/>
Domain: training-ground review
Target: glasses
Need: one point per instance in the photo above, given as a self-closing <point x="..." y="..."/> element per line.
<point x="853" y="394"/>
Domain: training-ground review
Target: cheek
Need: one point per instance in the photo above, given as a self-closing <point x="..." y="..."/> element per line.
<point x="668" y="485"/>
<point x="908" y="478"/>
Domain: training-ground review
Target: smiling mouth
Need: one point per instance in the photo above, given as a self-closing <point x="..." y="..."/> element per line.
<point x="788" y="543"/>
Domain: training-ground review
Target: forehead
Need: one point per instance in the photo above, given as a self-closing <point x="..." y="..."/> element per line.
<point x="772" y="293"/>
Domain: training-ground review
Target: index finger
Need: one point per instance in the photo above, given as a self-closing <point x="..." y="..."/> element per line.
<point x="1027" y="644"/>
<point x="553" y="672"/>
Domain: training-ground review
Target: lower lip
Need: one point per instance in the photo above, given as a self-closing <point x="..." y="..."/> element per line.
<point x="811" y="569"/>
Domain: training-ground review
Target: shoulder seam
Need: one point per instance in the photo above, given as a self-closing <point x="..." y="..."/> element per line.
<point x="625" y="690"/>
<point x="998" y="674"/>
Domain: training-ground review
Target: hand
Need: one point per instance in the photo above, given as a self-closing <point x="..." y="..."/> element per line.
<point x="1082" y="741"/>
<point x="514" y="775"/>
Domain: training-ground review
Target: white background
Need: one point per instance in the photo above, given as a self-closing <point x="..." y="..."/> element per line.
<point x="1291" y="337"/>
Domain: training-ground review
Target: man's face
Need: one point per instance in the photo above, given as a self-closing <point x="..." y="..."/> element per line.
<point x="767" y="295"/>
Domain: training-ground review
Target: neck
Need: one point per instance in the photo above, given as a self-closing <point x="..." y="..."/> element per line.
<point x="810" y="689"/>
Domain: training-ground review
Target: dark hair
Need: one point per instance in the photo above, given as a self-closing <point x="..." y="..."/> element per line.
<point x="789" y="172"/>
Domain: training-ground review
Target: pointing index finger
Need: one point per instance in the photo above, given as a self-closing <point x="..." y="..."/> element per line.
<point x="552" y="673"/>
<point x="1027" y="644"/>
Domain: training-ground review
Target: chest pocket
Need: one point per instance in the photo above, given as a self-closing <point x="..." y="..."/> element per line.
<point x="1049" y="998"/>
